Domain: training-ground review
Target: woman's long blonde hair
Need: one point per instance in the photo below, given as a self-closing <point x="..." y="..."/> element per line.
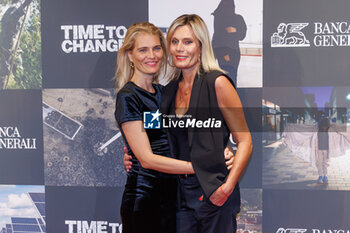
<point x="124" y="71"/>
<point x="200" y="30"/>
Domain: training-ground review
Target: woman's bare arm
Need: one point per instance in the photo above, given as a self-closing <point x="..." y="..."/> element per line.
<point x="231" y="108"/>
<point x="139" y="143"/>
<point x="229" y="157"/>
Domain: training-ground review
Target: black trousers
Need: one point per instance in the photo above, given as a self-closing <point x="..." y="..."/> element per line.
<point x="196" y="216"/>
<point x="149" y="203"/>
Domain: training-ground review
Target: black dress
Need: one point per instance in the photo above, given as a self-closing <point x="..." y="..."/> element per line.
<point x="149" y="199"/>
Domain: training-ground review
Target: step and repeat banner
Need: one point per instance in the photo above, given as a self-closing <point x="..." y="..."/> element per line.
<point x="61" y="152"/>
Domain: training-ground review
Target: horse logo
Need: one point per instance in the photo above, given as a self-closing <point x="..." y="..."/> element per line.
<point x="290" y="35"/>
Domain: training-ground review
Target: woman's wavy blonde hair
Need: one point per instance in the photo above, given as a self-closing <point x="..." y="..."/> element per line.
<point x="124" y="72"/>
<point x="200" y="30"/>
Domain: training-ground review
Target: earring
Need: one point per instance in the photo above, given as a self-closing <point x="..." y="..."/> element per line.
<point x="131" y="64"/>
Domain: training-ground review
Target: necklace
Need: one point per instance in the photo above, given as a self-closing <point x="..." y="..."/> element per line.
<point x="182" y="98"/>
<point x="185" y="91"/>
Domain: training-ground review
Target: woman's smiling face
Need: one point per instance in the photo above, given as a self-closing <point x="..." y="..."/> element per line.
<point x="147" y="54"/>
<point x="185" y="48"/>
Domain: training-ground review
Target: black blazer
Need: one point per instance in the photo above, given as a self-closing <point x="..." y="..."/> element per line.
<point x="206" y="145"/>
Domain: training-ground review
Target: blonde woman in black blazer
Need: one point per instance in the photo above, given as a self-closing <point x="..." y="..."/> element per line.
<point x="208" y="200"/>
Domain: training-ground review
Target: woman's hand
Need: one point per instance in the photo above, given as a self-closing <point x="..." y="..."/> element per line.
<point x="127" y="160"/>
<point x="229" y="157"/>
<point x="220" y="196"/>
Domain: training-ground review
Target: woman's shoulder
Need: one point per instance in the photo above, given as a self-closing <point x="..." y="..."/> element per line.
<point x="127" y="91"/>
<point x="213" y="73"/>
<point x="211" y="77"/>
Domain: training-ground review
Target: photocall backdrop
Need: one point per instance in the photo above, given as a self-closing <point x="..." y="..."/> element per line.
<point x="60" y="149"/>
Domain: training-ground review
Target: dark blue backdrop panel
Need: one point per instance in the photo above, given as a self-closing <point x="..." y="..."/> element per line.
<point x="309" y="210"/>
<point x="252" y="177"/>
<point x="251" y="101"/>
<point x="311" y="43"/>
<point x="81" y="204"/>
<point x="21" y="147"/>
<point x="66" y="68"/>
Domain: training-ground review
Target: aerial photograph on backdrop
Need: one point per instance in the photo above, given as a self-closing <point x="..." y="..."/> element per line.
<point x="82" y="144"/>
<point x="306" y="138"/>
<point x="235" y="28"/>
<point x="20" y="44"/>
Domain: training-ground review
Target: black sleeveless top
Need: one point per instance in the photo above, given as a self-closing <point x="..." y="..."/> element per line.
<point x="131" y="102"/>
<point x="180" y="138"/>
<point x="206" y="147"/>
